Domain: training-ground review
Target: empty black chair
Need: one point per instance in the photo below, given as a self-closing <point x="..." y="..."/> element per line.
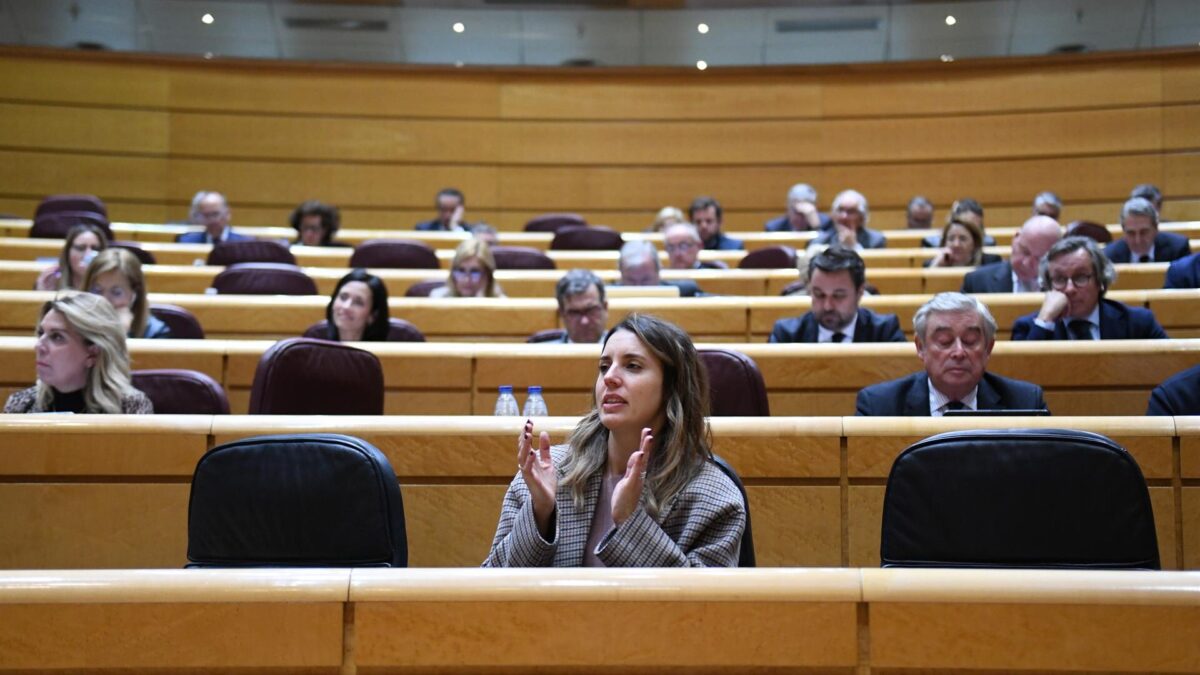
<point x="183" y="324"/>
<point x="548" y="335"/>
<point x="583" y="238"/>
<point x="770" y="258"/>
<point x="1027" y="498"/>
<point x="394" y="253"/>
<point x="746" y="556"/>
<point x="521" y="258"/>
<point x="263" y="279"/>
<point x="1089" y="229"/>
<point x="72" y="203"/>
<point x="56" y="225"/>
<point x="553" y="222"/>
<point x="145" y="257"/>
<point x="251" y="251"/>
<point x="735" y="384"/>
<point x="302" y="376"/>
<point x="181" y="392"/>
<point x="399" y="330"/>
<point x="311" y="500"/>
<point x="422" y="289"/>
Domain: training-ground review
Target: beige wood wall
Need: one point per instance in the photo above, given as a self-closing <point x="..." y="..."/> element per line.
<point x="145" y="133"/>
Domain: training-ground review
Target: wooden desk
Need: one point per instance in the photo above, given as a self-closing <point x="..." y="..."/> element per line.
<point x="112" y="491"/>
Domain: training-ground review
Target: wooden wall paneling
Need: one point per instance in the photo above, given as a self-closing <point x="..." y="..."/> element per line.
<point x="38" y="174"/>
<point x="1180" y="80"/>
<point x="84" y="130"/>
<point x="1181" y="176"/>
<point x="84" y="81"/>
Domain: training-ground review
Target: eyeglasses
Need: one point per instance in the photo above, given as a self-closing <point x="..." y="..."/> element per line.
<point x="681" y="246"/>
<point x="1080" y="281"/>
<point x="592" y="313"/>
<point x="473" y="275"/>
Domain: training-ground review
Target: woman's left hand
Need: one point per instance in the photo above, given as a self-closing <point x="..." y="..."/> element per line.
<point x="628" y="491"/>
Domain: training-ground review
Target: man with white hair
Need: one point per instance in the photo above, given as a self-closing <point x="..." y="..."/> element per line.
<point x="683" y="244"/>
<point x="850" y="217"/>
<point x="1142" y="242"/>
<point x="639" y="266"/>
<point x="802" y="213"/>
<point x="212" y="211"/>
<point x="954" y="334"/>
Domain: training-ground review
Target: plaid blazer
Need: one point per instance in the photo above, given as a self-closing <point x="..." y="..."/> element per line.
<point x="701" y="526"/>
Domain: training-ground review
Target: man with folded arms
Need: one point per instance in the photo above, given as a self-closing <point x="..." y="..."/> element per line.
<point x="836" y="277"/>
<point x="1075" y="275"/>
<point x="954" y="335"/>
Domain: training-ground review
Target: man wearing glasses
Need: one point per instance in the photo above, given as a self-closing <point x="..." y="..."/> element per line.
<point x="582" y="307"/>
<point x="1075" y="275"/>
<point x="683" y="244"/>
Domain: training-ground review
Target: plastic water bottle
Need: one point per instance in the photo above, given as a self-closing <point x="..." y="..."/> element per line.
<point x="506" y="403"/>
<point x="535" y="405"/>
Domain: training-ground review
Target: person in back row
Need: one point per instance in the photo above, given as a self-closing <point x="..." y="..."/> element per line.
<point x="706" y="214"/>
<point x="212" y="211"/>
<point x="82" y="362"/>
<point x="582" y="306"/>
<point x="81" y="244"/>
<point x="316" y="223"/>
<point x="639" y="266"/>
<point x="1142" y="242"/>
<point x="850" y="216"/>
<point x="472" y="273"/>
<point x="836" y="280"/>
<point x="451" y="207"/>
<point x="116" y="275"/>
<point x="683" y="244"/>
<point x="802" y="212"/>
<point x="1019" y="274"/>
<point x="954" y="334"/>
<point x="1075" y="275"/>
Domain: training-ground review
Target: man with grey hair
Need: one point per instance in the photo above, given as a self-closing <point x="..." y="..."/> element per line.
<point x="802" y="214"/>
<point x="582" y="306"/>
<point x="850" y="216"/>
<point x="639" y="266"/>
<point x="919" y="214"/>
<point x="1047" y="204"/>
<point x="212" y="211"/>
<point x="683" y="244"/>
<point x="1019" y="274"/>
<point x="954" y="334"/>
<point x="1143" y="242"/>
<point x="1075" y="275"/>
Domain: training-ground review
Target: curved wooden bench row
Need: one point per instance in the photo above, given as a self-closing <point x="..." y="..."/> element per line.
<point x="714" y="621"/>
<point x="710" y="319"/>
<point x="112" y="491"/>
<point x="540" y="283"/>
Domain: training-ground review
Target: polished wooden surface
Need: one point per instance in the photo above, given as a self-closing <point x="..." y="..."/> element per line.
<point x="86" y="492"/>
<point x="712" y="620"/>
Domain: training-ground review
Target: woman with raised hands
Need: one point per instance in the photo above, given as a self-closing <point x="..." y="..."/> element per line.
<point x="634" y="485"/>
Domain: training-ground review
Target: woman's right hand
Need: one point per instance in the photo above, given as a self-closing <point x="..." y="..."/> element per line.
<point x="537" y="469"/>
<point x="943" y="259"/>
<point x="48" y="279"/>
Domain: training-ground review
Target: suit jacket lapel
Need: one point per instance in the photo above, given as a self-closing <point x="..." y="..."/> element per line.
<point x="808" y="328"/>
<point x="986" y="397"/>
<point x="1111" y="325"/>
<point x="916" y="403"/>
<point x="862" y="329"/>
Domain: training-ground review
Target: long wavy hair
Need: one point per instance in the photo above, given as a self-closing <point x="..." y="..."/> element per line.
<point x="97" y="323"/>
<point x="67" y="278"/>
<point x="684" y="442"/>
<point x="125" y="262"/>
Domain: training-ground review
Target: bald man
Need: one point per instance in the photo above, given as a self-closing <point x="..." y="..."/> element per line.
<point x="1019" y="274"/>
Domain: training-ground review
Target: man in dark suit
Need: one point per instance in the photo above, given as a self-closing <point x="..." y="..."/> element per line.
<point x="836" y="277"/>
<point x="802" y="213"/>
<point x="212" y="211"/>
<point x="1184" y="273"/>
<point x="1076" y="275"/>
<point x="850" y="216"/>
<point x="1179" y="395"/>
<point x="582" y="307"/>
<point x="706" y="214"/>
<point x="1143" y="242"/>
<point x="919" y="214"/>
<point x="954" y="334"/>
<point x="639" y="266"/>
<point x="683" y="244"/>
<point x="451" y="205"/>
<point x="1019" y="274"/>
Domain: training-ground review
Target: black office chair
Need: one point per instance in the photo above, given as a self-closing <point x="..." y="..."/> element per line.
<point x="746" y="556"/>
<point x="299" y="500"/>
<point x="1019" y="498"/>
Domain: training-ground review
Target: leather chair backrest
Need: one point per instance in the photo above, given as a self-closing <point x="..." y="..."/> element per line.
<point x="263" y="279"/>
<point x="585" y="238"/>
<point x="521" y="258"/>
<point x="769" y="258"/>
<point x="145" y="257"/>
<point x="181" y="392"/>
<point x="56" y="225"/>
<point x="302" y="376"/>
<point x="312" y="500"/>
<point x="1028" y="498"/>
<point x="395" y="253"/>
<point x="399" y="330"/>
<point x="735" y="384"/>
<point x="553" y="222"/>
<point x="797" y="287"/>
<point x="746" y="556"/>
<point x="183" y="324"/>
<point x="422" y="289"/>
<point x="1086" y="228"/>
<point x="548" y="335"/>
<point x="60" y="203"/>
<point x="252" y="251"/>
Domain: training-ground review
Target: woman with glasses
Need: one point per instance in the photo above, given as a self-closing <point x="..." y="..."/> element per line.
<point x="82" y="243"/>
<point x="116" y="275"/>
<point x="472" y="273"/>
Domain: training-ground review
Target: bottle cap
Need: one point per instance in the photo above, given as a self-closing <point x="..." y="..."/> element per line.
<point x="506" y="389"/>
<point x="535" y="389"/>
